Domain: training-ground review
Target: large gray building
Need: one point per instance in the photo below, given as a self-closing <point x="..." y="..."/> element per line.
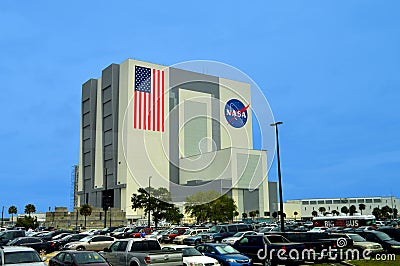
<point x="181" y="130"/>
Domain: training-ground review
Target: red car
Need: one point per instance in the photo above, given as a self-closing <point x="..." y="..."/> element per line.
<point x="146" y="231"/>
<point x="176" y="232"/>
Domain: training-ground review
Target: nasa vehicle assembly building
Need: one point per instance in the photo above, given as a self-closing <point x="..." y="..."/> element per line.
<point x="182" y="130"/>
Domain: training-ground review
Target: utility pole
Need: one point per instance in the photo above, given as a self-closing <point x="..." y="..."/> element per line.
<point x="105" y="200"/>
<point x="279" y="177"/>
<point x="148" y="206"/>
<point x="2" y="216"/>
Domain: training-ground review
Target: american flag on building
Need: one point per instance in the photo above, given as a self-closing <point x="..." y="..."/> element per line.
<point x="149" y="99"/>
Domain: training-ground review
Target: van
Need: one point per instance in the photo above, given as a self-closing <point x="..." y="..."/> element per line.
<point x="8" y="235"/>
<point x="219" y="232"/>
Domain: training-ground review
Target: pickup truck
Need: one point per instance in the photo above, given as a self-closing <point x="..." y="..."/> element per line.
<point x="269" y="249"/>
<point x="140" y="252"/>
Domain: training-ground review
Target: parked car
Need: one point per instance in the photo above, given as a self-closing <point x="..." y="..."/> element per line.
<point x="49" y="235"/>
<point x="59" y="243"/>
<point x="219" y="232"/>
<point x="319" y="229"/>
<point x="108" y="230"/>
<point x="192" y="256"/>
<point x="140" y="252"/>
<point x="78" y="258"/>
<point x="265" y="229"/>
<point x="9" y="235"/>
<point x="41" y="246"/>
<point x="225" y="254"/>
<point x="388" y="243"/>
<point x="231" y="240"/>
<point x="155" y="235"/>
<point x="251" y="245"/>
<point x="117" y="233"/>
<point x="362" y="244"/>
<point x="194" y="240"/>
<point x="94" y="243"/>
<point x="188" y="233"/>
<point x="391" y="231"/>
<point x="168" y="238"/>
<point x="14" y="256"/>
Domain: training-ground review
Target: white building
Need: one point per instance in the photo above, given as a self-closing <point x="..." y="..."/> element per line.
<point x="305" y="207"/>
<point x="145" y="123"/>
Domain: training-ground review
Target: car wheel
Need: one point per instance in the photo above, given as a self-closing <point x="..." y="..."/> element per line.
<point x="80" y="248"/>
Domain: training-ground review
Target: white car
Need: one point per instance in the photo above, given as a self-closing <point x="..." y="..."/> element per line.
<point x="231" y="240"/>
<point x="93" y="243"/>
<point x="192" y="256"/>
<point x="188" y="233"/>
<point x="319" y="229"/>
<point x="20" y="256"/>
<point x="155" y="235"/>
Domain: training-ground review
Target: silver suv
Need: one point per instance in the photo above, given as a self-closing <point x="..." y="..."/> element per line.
<point x="20" y="256"/>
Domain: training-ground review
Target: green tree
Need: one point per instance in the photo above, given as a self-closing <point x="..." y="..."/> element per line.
<point x="314" y="213"/>
<point x="377" y="213"/>
<point x="158" y="204"/>
<point x="210" y="206"/>
<point x="353" y="209"/>
<point x="295" y="214"/>
<point x="275" y="215"/>
<point x="257" y="212"/>
<point x="322" y="210"/>
<point x="395" y="213"/>
<point x="12" y="210"/>
<point x="244" y="216"/>
<point x="252" y="214"/>
<point x="236" y="214"/>
<point x="344" y="210"/>
<point x="386" y="211"/>
<point x="361" y="207"/>
<point x="86" y="210"/>
<point x="335" y="212"/>
<point x="27" y="222"/>
<point x="30" y="208"/>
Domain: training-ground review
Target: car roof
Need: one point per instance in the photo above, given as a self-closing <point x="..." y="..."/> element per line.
<point x="16" y="248"/>
<point x="77" y="251"/>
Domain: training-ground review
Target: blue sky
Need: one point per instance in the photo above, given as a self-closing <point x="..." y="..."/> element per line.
<point x="329" y="69"/>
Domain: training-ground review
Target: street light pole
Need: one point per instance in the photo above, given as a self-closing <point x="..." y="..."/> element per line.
<point x="279" y="176"/>
<point x="148" y="206"/>
<point x="2" y="216"/>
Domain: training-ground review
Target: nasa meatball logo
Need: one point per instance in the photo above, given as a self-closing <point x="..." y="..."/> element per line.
<point x="236" y="113"/>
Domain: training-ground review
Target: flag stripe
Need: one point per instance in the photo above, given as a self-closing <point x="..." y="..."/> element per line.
<point x="154" y="100"/>
<point x="149" y="109"/>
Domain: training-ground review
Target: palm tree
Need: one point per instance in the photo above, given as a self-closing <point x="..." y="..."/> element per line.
<point x="275" y="215"/>
<point x="12" y="210"/>
<point x="236" y="214"/>
<point x="252" y="214"/>
<point x="361" y="207"/>
<point x="244" y="215"/>
<point x="344" y="210"/>
<point x="295" y="214"/>
<point x="314" y="213"/>
<point x="30" y="208"/>
<point x="353" y="209"/>
<point x="322" y="210"/>
<point x="86" y="210"/>
<point x="257" y="212"/>
<point x="377" y="213"/>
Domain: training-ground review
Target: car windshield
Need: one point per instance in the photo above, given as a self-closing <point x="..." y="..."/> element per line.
<point x="215" y="229"/>
<point x="226" y="249"/>
<point x="382" y="236"/>
<point x="17" y="257"/>
<point x="187" y="232"/>
<point x="238" y="234"/>
<point x="88" y="257"/>
<point x="119" y="230"/>
<point x="357" y="238"/>
<point x="66" y="238"/>
<point x="12" y="242"/>
<point x="175" y="232"/>
<point x="85" y="239"/>
<point x="188" y="252"/>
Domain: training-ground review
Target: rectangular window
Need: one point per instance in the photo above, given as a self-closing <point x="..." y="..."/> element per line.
<point x="368" y="200"/>
<point x="378" y="200"/>
<point x="305" y="202"/>
<point x="321" y="202"/>
<point x="353" y="201"/>
<point x="313" y="202"/>
<point x="360" y="200"/>
<point x="336" y="202"/>
<point x="328" y="201"/>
